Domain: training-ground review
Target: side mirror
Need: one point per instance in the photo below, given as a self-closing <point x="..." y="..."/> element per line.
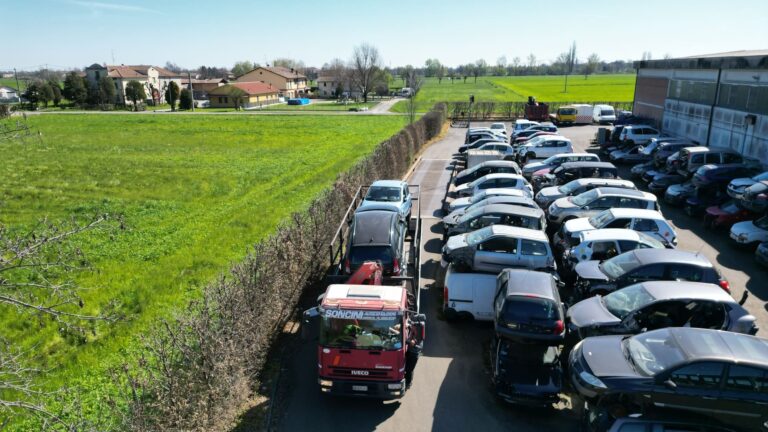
<point x="420" y="318"/>
<point x="670" y="384"/>
<point x="586" y="207"/>
<point x="310" y="324"/>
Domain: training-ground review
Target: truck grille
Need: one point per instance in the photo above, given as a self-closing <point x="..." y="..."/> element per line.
<point x="368" y="373"/>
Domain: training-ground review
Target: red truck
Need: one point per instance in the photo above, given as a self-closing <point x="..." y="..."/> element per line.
<point x="536" y="111"/>
<point x="364" y="325"/>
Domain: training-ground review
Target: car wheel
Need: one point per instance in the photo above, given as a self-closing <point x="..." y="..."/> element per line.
<point x="529" y="156"/>
<point x="450" y="314"/>
<point x="690" y="211"/>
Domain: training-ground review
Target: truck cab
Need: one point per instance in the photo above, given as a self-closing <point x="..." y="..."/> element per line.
<point x="362" y="334"/>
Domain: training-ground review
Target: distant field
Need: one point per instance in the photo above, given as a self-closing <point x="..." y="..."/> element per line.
<point x="195" y="191"/>
<point x="596" y="88"/>
<point x="320" y="106"/>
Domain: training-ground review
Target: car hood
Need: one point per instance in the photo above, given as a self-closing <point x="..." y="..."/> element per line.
<point x="741" y="183"/>
<point x="542" y="172"/>
<point x="605" y="357"/>
<point x="564" y="203"/>
<point x="459" y="203"/>
<point x="666" y="178"/>
<point x="456" y="242"/>
<point x="590" y="312"/>
<point x="549" y="192"/>
<point x="454" y="216"/>
<point x="590" y="270"/>
<point x="578" y="225"/>
<point x="746" y="227"/>
<point x="680" y="188"/>
<point x="534" y="166"/>
<point x="618" y="153"/>
<point x="717" y="211"/>
<point x="463" y="187"/>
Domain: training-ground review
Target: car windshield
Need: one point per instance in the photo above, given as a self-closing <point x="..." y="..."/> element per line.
<point x="585" y="198"/>
<point x="607" y="112"/>
<point x="762" y="223"/>
<point x="601" y="219"/>
<point x="360" y="254"/>
<point x="653" y="352"/>
<point x="761" y="177"/>
<point x="529" y="310"/>
<point x="619" y="265"/>
<point x="620" y="303"/>
<point x="650" y="240"/>
<point x="383" y="193"/>
<point x="479" y="236"/>
<point x="534" y="140"/>
<point x="478" y="197"/>
<point x="350" y="329"/>
<point x="650" y="147"/>
<point x="550" y="160"/>
<point x="471" y="214"/>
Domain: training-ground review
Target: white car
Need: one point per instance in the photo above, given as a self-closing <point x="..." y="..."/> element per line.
<point x="499" y="127"/>
<point x="514" y="181"/>
<point x="593" y="202"/>
<point x="556" y="160"/>
<point x="548" y="145"/>
<point x="750" y="233"/>
<point x="548" y="195"/>
<point x="496" y="247"/>
<point x="461" y="203"/>
<point x="603" y="244"/>
<point x="638" y="134"/>
<point x="507" y="150"/>
<point x="523" y="124"/>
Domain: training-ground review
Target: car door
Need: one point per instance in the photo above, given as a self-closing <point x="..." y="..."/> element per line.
<point x="744" y="398"/>
<point x="483" y="221"/>
<point x="406" y="200"/>
<point x="685" y="272"/>
<point x="496" y="253"/>
<point x="696" y="388"/>
<point x="649" y="272"/>
<point x="533" y="254"/>
<point x="600" y="204"/>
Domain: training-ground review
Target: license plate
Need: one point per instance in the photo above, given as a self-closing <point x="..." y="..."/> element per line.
<point x="359" y="388"/>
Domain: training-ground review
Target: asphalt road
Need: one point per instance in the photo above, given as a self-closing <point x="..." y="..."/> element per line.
<point x="451" y="389"/>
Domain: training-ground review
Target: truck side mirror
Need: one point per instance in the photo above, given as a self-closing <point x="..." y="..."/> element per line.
<point x="420" y="318"/>
<point x="310" y="324"/>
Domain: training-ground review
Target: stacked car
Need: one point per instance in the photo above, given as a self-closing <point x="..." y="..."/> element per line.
<point x="587" y="272"/>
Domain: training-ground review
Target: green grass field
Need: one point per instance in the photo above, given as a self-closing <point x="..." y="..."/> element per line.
<point x="195" y="193"/>
<point x="596" y="88"/>
<point x="320" y="106"/>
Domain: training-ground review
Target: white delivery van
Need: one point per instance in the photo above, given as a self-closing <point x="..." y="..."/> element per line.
<point x="468" y="295"/>
<point x="583" y="113"/>
<point x="603" y="114"/>
<point x="476" y="157"/>
<point x="406" y="92"/>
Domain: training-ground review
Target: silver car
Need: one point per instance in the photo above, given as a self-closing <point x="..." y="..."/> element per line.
<point x="592" y="202"/>
<point x="659" y="304"/>
<point x="494" y="248"/>
<point x="460" y="203"/>
<point x="512" y="181"/>
<point x="497" y="214"/>
<point x="603" y="244"/>
<point x="522" y="201"/>
<point x="548" y="195"/>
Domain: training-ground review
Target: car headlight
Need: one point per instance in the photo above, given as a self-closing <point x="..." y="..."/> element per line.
<point x="325" y="383"/>
<point x="743" y="237"/>
<point x="592" y="380"/>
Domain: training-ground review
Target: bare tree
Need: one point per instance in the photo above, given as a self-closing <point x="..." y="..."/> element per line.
<point x="364" y="68"/>
<point x="415" y="81"/>
<point x="532" y="63"/>
<point x="593" y="61"/>
<point x="516" y="65"/>
<point x="570" y="63"/>
<point x="440" y="73"/>
<point x="36" y="268"/>
<point x="480" y="69"/>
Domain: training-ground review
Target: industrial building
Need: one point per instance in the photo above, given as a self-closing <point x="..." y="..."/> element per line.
<point x="719" y="100"/>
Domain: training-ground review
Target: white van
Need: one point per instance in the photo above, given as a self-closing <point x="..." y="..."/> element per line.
<point x="406" y="92"/>
<point x="468" y="295"/>
<point x="603" y="114"/>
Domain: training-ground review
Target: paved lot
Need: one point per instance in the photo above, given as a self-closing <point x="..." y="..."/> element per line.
<point x="451" y="389"/>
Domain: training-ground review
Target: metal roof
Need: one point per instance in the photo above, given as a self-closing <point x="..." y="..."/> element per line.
<point x="743" y="59"/>
<point x="672" y="290"/>
<point x="384" y="293"/>
<point x="649" y="256"/>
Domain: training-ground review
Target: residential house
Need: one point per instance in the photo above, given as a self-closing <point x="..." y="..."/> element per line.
<point x="289" y="82"/>
<point x="201" y="87"/>
<point x="8" y="94"/>
<point x="327" y="86"/>
<point x="244" y="95"/>
<point x="154" y="79"/>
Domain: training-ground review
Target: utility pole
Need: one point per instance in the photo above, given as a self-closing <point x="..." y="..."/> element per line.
<point x="191" y="92"/>
<point x="18" y="88"/>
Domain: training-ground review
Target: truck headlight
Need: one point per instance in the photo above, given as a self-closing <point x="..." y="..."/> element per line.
<point x="397" y="386"/>
<point x="325" y="383"/>
<point x="592" y="380"/>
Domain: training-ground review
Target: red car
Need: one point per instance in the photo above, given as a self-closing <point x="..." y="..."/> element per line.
<point x="725" y="215"/>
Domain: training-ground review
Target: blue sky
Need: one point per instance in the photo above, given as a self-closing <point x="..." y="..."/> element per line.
<point x="76" y="33"/>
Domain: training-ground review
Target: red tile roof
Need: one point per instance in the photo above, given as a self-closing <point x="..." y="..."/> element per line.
<point x="249" y="88"/>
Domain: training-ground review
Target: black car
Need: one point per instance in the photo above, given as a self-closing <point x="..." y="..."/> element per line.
<point x="722" y="376"/>
<point x="668" y="149"/>
<point x="376" y="235"/>
<point x="661" y="182"/>
<point x="641" y="265"/>
<point x="720" y="175"/>
<point x="527" y="307"/>
<point x="485" y="168"/>
<point x="529" y="375"/>
<point x="479" y="142"/>
<point x="575" y="170"/>
<point x="637" y="171"/>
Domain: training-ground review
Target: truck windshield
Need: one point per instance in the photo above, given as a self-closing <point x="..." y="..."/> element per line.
<point x="345" y="329"/>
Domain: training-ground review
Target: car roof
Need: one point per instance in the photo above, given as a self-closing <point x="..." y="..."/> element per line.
<point x="701" y="149"/>
<point x="637" y="213"/>
<point x="525" y="233"/>
<point x="501" y="175"/>
<point x="607" y="182"/>
<point x="372" y="227"/>
<point x="625" y="192"/>
<point x="523" y="282"/>
<point x="609" y="234"/>
<point x="555" y="138"/>
<point x="512" y="209"/>
<point x="704" y="344"/>
<point x="591" y="164"/>
<point x="510" y="199"/>
<point x="497" y="164"/>
<point x="650" y="256"/>
<point x="575" y="154"/>
<point x="626" y="127"/>
<point x="388" y="183"/>
<point x="494" y="143"/>
<point x="503" y="191"/>
<point x="672" y="290"/>
<point x="730" y="166"/>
